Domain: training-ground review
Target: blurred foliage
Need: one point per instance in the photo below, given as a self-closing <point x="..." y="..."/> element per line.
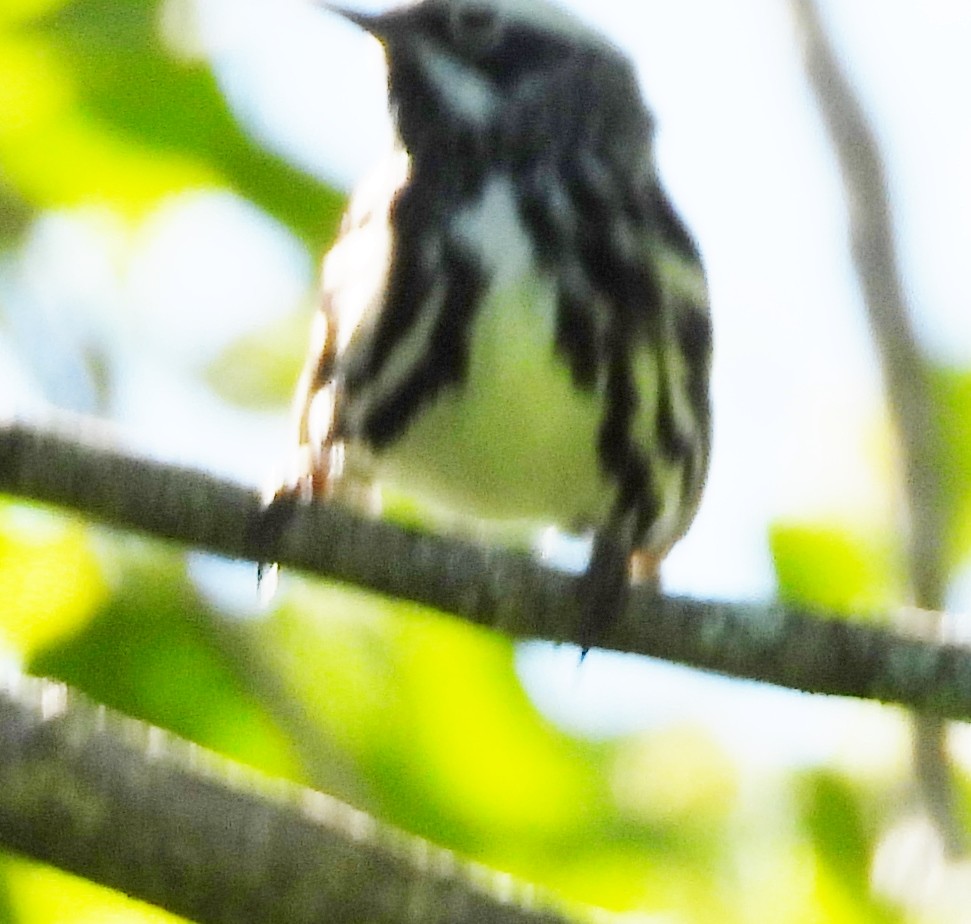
<point x="14" y="214"/>
<point x="833" y="819"/>
<point x="952" y="392"/>
<point x="859" y="568"/>
<point x="436" y="735"/>
<point x="153" y="650"/>
<point x="831" y="567"/>
<point x="102" y="104"/>
<point x="42" y="895"/>
<point x="413" y="716"/>
<point x="257" y="370"/>
<point x="50" y="578"/>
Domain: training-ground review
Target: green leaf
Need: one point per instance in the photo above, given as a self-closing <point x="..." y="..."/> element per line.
<point x="831" y="567"/>
<point x="51" y="581"/>
<point x="154" y="651"/>
<point x="831" y="810"/>
<point x="40" y="894"/>
<point x="98" y="108"/>
<point x="432" y="708"/>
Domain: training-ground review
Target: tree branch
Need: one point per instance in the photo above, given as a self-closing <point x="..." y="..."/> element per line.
<point x="134" y="808"/>
<point x="905" y="372"/>
<point x="72" y="467"/>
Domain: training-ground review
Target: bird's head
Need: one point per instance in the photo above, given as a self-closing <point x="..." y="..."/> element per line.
<point x="465" y="60"/>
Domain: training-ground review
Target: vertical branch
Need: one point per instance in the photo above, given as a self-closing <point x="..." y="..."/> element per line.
<point x="904" y="367"/>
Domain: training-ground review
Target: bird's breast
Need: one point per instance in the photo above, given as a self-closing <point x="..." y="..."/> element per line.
<point x="513" y="438"/>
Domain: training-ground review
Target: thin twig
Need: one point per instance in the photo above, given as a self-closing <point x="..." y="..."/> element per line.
<point x="492" y="587"/>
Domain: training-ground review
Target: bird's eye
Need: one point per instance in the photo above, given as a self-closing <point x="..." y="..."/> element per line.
<point x="475" y="26"/>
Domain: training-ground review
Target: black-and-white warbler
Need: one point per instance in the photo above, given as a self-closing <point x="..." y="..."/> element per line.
<point x="514" y="325"/>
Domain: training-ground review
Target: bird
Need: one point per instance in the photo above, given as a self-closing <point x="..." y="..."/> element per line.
<point x="514" y="327"/>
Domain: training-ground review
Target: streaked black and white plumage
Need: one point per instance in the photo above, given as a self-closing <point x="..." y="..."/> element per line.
<point x="514" y="325"/>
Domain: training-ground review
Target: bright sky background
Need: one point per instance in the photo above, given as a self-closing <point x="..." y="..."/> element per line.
<point x="798" y="427"/>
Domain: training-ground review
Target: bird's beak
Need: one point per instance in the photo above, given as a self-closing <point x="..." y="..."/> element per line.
<point x="370" y="22"/>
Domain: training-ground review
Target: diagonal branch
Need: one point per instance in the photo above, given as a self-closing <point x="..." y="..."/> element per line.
<point x="503" y="590"/>
<point x="905" y="373"/>
<point x="905" y="367"/>
<point x="134" y="808"/>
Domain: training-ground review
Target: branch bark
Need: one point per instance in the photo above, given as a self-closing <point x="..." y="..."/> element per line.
<point x="73" y="467"/>
<point x="132" y="807"/>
